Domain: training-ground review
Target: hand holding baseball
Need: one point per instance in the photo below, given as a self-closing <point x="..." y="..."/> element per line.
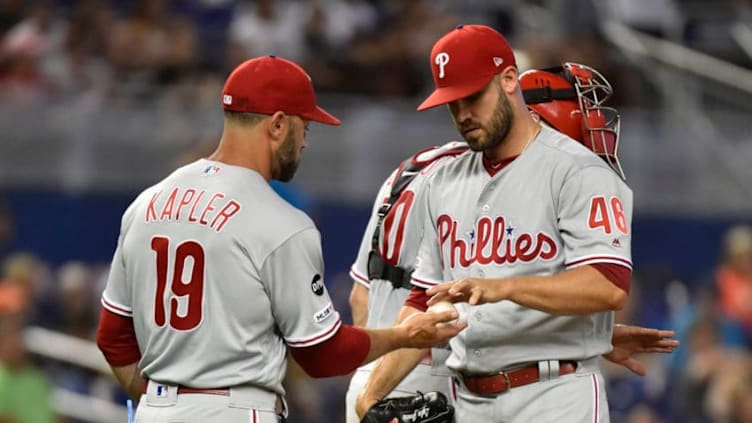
<point x="442" y="306"/>
<point x="432" y="328"/>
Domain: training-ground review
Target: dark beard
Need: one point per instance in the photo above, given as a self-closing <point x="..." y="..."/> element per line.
<point x="284" y="164"/>
<point x="498" y="128"/>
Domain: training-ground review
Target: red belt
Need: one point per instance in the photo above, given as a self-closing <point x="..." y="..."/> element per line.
<point x="187" y="390"/>
<point x="503" y="381"/>
<point x="216" y="391"/>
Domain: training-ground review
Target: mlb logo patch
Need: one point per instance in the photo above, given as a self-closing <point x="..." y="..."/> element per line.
<point x="162" y="390"/>
<point x="227" y="99"/>
<point x="211" y="170"/>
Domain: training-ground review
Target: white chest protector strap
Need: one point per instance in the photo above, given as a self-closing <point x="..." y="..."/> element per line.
<point x="378" y="267"/>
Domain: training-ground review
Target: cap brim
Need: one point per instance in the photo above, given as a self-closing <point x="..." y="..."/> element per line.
<point x="449" y="94"/>
<point x="322" y="116"/>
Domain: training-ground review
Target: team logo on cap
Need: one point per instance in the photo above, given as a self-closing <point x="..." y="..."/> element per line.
<point x="227" y="99"/>
<point x="441" y="60"/>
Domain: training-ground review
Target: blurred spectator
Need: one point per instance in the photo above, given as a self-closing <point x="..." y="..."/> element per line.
<point x="389" y="60"/>
<point x="741" y="398"/>
<point x="701" y="390"/>
<point x="267" y="27"/>
<point x="32" y="276"/>
<point x="24" y="390"/>
<point x="76" y="283"/>
<point x="83" y="67"/>
<point x="334" y="24"/>
<point x="22" y="53"/>
<point x="734" y="276"/>
<point x="150" y="48"/>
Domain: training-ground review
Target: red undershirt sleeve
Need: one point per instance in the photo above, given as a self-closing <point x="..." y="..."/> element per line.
<point x="116" y="338"/>
<point x="418" y="298"/>
<point x="338" y="355"/>
<point x="618" y="275"/>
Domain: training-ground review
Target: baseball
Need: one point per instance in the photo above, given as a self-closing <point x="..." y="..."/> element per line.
<point x="442" y="306"/>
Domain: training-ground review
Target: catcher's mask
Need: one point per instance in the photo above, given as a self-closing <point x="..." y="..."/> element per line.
<point x="571" y="99"/>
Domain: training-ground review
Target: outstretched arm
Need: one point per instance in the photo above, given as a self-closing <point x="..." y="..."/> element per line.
<point x="630" y="340"/>
<point x="352" y="347"/>
<point x="390" y="370"/>
<point x="579" y="291"/>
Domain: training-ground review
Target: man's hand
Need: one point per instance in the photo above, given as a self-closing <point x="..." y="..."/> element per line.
<point x="630" y="340"/>
<point x="424" y="330"/>
<point x="470" y="290"/>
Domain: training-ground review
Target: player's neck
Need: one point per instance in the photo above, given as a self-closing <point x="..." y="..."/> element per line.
<point x="239" y="150"/>
<point x="520" y="136"/>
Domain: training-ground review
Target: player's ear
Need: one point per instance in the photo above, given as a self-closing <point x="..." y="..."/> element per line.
<point x="509" y="79"/>
<point x="277" y="126"/>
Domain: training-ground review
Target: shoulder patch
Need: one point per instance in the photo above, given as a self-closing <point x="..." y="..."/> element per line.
<point x="317" y="286"/>
<point x="322" y="314"/>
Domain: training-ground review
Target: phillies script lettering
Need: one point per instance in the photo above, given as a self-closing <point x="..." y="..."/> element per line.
<point x="492" y="243"/>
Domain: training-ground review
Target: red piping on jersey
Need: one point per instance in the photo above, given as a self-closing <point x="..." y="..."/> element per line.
<point x="595" y="386"/>
<point x="116" y="338"/>
<point x="600" y="259"/>
<point x="116" y="308"/>
<point x="423" y="281"/>
<point x="360" y="278"/>
<point x="418" y="299"/>
<point x="338" y="355"/>
<point x="315" y="338"/>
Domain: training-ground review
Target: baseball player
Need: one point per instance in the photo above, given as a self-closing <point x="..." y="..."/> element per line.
<point x="534" y="230"/>
<point x="215" y="277"/>
<point x="381" y="272"/>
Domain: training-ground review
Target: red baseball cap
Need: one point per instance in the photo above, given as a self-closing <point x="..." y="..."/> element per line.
<point x="465" y="60"/>
<point x="269" y="84"/>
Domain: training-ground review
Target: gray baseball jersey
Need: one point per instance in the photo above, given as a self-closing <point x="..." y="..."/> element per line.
<point x="219" y="273"/>
<point x="556" y="206"/>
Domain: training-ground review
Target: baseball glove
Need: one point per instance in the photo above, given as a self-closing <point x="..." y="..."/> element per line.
<point x="431" y="407"/>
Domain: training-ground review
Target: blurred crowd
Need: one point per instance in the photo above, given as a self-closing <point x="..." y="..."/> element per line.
<point x="125" y="52"/>
<point x="179" y="51"/>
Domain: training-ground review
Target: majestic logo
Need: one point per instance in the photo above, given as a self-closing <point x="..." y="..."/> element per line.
<point x="317" y="286"/>
<point x="441" y="60"/>
<point x="492" y="241"/>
